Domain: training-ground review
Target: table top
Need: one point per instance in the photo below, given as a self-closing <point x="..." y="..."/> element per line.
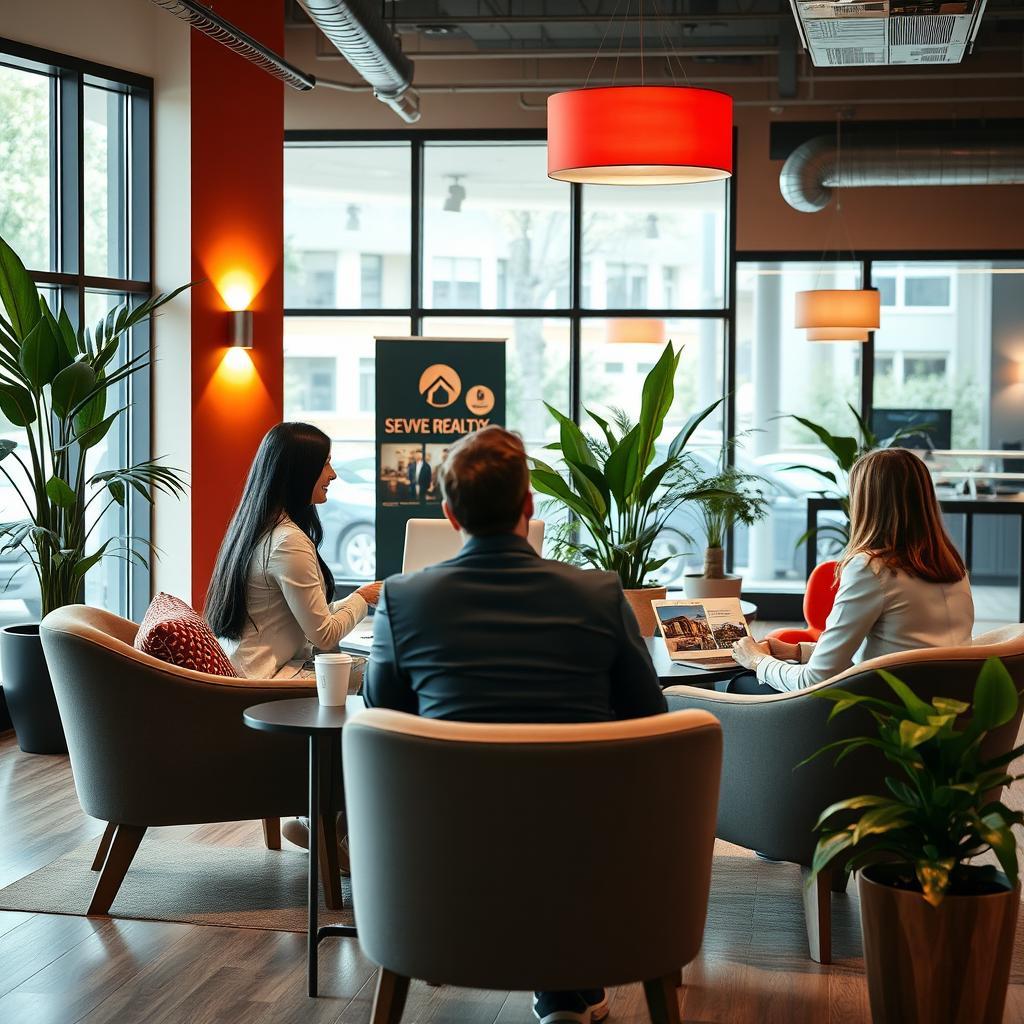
<point x="302" y="714"/>
<point x="671" y="673"/>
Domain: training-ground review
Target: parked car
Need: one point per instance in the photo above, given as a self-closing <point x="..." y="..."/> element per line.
<point x="349" y="544"/>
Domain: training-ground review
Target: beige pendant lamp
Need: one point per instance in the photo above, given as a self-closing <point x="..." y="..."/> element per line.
<point x="838" y="314"/>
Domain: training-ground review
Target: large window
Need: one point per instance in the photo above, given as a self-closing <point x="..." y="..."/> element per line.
<point x="74" y="204"/>
<point x="495" y="259"/>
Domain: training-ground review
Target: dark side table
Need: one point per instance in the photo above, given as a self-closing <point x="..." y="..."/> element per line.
<point x="323" y="726"/>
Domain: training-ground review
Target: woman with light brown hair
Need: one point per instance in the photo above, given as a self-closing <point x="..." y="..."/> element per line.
<point x="902" y="584"/>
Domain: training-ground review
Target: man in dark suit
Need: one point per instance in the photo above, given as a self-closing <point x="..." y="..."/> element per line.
<point x="499" y="634"/>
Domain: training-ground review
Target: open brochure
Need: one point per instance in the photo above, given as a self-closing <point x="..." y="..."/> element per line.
<point x="700" y="630"/>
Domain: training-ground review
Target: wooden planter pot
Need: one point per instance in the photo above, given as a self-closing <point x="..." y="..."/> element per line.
<point x="640" y="602"/>
<point x="936" y="965"/>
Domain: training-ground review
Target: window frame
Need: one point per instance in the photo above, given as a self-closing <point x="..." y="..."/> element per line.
<point x="69" y="77"/>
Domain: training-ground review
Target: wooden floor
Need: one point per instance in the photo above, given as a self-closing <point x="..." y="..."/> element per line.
<point x="58" y="969"/>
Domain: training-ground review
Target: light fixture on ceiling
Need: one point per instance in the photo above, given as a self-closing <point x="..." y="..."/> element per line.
<point x="651" y="231"/>
<point x="837" y="314"/>
<point x="456" y="194"/>
<point x="352" y="217"/>
<point x="635" y="331"/>
<point x="639" y="135"/>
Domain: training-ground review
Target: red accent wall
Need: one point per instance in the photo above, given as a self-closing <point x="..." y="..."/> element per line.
<point x="237" y="244"/>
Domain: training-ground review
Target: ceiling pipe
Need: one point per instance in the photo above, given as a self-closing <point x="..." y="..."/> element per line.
<point x="882" y="159"/>
<point x="355" y="27"/>
<point x="231" y="36"/>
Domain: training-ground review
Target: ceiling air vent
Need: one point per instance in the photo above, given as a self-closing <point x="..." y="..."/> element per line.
<point x="845" y="33"/>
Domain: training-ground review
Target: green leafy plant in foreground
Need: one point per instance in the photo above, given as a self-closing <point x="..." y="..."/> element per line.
<point x="940" y="811"/>
<point x="621" y="500"/>
<point x="57" y="383"/>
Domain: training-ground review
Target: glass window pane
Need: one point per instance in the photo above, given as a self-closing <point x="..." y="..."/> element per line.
<point x="779" y="373"/>
<point x="935" y="352"/>
<point x="346" y="226"/>
<point x="536" y="371"/>
<point x="659" y="247"/>
<point x="329" y="381"/>
<point x="505" y="243"/>
<point x="106" y="583"/>
<point x="950" y="356"/>
<point x="25" y="144"/>
<point x="106" y="201"/>
<point x="613" y="368"/>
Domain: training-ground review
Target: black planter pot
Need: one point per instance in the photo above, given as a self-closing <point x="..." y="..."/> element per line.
<point x="29" y="692"/>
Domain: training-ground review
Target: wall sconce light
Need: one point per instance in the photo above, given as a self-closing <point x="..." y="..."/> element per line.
<point x="240" y="328"/>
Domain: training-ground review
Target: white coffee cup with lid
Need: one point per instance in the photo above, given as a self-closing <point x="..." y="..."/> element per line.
<point x="332" y="674"/>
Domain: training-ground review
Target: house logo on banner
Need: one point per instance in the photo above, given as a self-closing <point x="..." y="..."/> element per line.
<point x="440" y="385"/>
<point x="424" y="405"/>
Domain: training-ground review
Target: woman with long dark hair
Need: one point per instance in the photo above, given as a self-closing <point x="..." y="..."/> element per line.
<point x="272" y="596"/>
<point x="902" y="584"/>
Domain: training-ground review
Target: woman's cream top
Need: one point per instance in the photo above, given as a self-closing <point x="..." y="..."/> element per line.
<point x="287" y="606"/>
<point x="877" y="611"/>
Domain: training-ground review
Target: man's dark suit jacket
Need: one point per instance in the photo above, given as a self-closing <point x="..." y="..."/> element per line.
<point x="499" y="634"/>
<point x="426" y="478"/>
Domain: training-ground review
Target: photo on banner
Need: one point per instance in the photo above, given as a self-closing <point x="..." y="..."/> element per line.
<point x="429" y="393"/>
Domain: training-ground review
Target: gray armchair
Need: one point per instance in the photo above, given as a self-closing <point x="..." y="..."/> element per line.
<point x="538" y="845"/>
<point x="769" y="805"/>
<point x="153" y="744"/>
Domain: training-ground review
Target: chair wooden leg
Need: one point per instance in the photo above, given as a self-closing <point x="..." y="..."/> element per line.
<point x="389" y="999"/>
<point x="818" y="914"/>
<point x="662" y="1001"/>
<point x="272" y="833"/>
<point x="330" y="874"/>
<point x="101" y="850"/>
<point x="119" y="858"/>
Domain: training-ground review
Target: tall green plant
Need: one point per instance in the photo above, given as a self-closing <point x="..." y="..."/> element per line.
<point x="940" y="810"/>
<point x="738" y="501"/>
<point x="621" y="502"/>
<point x="846" y="451"/>
<point x="57" y="382"/>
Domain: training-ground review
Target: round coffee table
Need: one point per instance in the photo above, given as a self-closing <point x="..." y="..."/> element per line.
<point x="323" y="726"/>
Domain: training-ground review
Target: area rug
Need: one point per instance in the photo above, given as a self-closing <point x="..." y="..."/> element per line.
<point x="184" y="880"/>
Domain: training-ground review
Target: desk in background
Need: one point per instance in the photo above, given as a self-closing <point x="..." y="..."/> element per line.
<point x="983" y="504"/>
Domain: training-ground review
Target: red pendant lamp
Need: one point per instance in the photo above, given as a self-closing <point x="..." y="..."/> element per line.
<point x="640" y="135"/>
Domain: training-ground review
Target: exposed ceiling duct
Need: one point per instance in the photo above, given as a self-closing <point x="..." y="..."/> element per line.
<point x="813" y="169"/>
<point x="356" y="28"/>
<point x="231" y="36"/>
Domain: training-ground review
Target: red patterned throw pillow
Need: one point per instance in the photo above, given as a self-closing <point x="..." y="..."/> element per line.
<point x="175" y="633"/>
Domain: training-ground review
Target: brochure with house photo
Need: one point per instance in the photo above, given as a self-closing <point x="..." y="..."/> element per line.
<point x="701" y="629"/>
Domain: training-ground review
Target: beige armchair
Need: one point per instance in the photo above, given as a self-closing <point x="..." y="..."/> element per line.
<point x="153" y="744"/>
<point x="531" y="856"/>
<point x="769" y="805"/>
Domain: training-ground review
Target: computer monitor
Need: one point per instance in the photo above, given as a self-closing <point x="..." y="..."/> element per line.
<point x="429" y="541"/>
<point x="939" y="422"/>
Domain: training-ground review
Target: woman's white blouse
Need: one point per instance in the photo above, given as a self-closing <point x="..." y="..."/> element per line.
<point x="287" y="605"/>
<point x="877" y="611"/>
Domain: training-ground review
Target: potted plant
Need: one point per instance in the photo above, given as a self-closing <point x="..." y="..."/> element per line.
<point x="938" y="930"/>
<point x="736" y="501"/>
<point x="57" y="383"/>
<point x="621" y="501"/>
<point x="846" y="451"/>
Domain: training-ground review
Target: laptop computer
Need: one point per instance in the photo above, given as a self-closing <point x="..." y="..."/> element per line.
<point x="429" y="541"/>
<point x="700" y="633"/>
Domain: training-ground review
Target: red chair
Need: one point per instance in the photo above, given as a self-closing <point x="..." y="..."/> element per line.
<point x="819" y="597"/>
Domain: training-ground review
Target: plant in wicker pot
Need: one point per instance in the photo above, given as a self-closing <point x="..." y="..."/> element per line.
<point x="57" y="384"/>
<point x="938" y="930"/>
<point x="617" y="499"/>
<point x="738" y="501"/>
